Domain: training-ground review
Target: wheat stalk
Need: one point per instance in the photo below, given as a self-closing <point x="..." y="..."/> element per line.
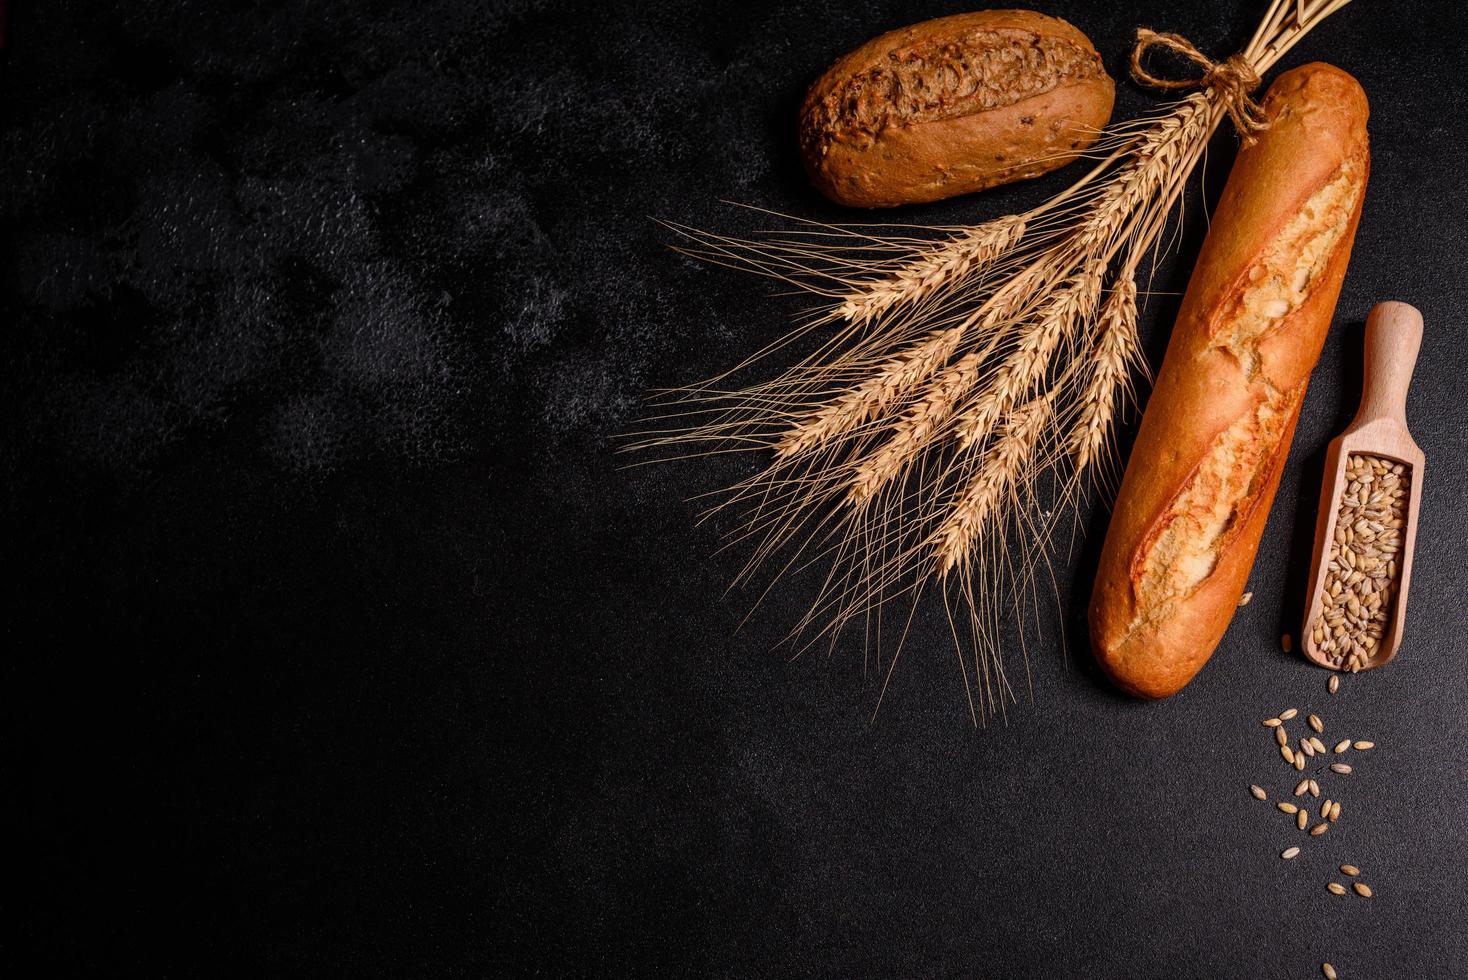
<point x="971" y="367"/>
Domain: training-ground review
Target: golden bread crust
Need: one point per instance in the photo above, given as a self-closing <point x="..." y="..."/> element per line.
<point x="1216" y="432"/>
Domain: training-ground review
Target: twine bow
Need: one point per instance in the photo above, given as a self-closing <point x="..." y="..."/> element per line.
<point x="1233" y="79"/>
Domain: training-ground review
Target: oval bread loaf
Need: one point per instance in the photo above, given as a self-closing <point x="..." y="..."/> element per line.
<point x="951" y="106"/>
<point x="1217" y="429"/>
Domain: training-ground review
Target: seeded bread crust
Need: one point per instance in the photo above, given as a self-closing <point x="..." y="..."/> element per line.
<point x="951" y="106"/>
<point x="1217" y="429"/>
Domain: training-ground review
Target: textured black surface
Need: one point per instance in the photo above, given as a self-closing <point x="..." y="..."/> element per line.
<point x="343" y="645"/>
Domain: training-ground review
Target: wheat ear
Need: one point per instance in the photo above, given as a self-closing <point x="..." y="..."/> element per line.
<point x="945" y="264"/>
<point x="1113" y="354"/>
<point x="999" y="470"/>
<point x="872" y="397"/>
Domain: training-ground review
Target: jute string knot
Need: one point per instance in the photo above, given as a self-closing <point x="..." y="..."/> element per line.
<point x="1233" y="79"/>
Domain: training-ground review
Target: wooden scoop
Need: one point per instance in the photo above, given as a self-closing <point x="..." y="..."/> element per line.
<point x="1393" y="336"/>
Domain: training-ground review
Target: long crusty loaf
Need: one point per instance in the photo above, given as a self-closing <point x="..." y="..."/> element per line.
<point x="1217" y="428"/>
<point x="951" y="106"/>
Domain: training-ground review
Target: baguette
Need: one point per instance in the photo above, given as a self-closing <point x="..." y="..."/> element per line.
<point x="1217" y="428"/>
<point x="951" y="106"/>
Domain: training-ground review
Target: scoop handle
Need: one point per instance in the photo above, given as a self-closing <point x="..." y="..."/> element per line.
<point x="1393" y="337"/>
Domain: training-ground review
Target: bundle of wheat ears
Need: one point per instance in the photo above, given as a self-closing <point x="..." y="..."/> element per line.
<point x="966" y="396"/>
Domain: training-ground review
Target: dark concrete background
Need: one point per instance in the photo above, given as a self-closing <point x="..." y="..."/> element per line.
<point x="342" y="644"/>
